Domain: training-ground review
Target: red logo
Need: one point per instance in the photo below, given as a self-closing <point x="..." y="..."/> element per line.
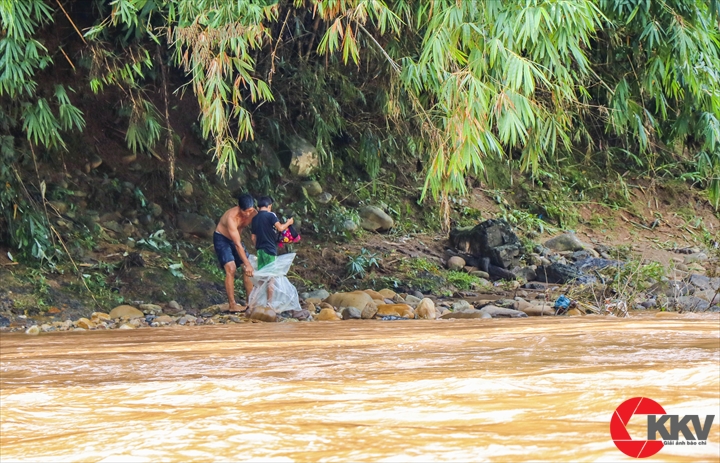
<point x="620" y="419"/>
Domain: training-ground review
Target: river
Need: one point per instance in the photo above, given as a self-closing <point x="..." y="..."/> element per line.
<point x="540" y="389"/>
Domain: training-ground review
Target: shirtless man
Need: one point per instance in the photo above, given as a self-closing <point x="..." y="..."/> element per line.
<point x="230" y="251"/>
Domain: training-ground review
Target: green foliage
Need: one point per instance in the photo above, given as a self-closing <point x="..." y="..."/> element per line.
<point x="461" y="280"/>
<point x="359" y="265"/>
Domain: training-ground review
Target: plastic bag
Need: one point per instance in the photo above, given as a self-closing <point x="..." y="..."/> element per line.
<point x="283" y="295"/>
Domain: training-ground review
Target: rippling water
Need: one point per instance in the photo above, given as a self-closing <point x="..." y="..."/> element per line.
<point x="455" y="390"/>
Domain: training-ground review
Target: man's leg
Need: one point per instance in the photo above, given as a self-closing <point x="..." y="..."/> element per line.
<point x="230" y="270"/>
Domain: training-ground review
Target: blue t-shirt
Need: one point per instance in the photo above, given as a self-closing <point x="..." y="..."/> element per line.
<point x="263" y="227"/>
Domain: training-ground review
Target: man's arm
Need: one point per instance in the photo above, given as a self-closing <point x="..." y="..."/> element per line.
<point x="235" y="237"/>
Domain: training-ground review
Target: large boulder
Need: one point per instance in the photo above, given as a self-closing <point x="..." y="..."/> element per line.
<point x="125" y="312"/>
<point x="358" y="299"/>
<point x="304" y="158"/>
<point x="196" y="224"/>
<point x="426" y="309"/>
<point x="373" y="218"/>
<point x="565" y="242"/>
<point x="493" y="239"/>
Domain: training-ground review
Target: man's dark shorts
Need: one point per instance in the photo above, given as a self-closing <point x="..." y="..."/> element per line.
<point x="226" y="251"/>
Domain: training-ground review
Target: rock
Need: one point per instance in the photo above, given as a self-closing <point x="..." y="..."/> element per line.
<point x="155" y="210"/>
<point x="456" y="263"/>
<point x="301" y="315"/>
<point x="196" y="224"/>
<point x="412" y="301"/>
<point x="369" y="311"/>
<point x="263" y="314"/>
<point x="525" y="273"/>
<point x="374" y="294"/>
<point x="375" y="219"/>
<point x="704" y="283"/>
<point x="480" y="274"/>
<point x="387" y="293"/>
<point x="185" y="189"/>
<point x="349" y="313"/>
<point x="85" y="324"/>
<point x="125" y="312"/>
<point x="349" y="225"/>
<point x="150" y="309"/>
<point x="462" y="306"/>
<point x="708" y="295"/>
<point x="358" y="299"/>
<point x="474" y="314"/>
<point x="173" y="308"/>
<point x="113" y="226"/>
<point x="493" y="239"/>
<point x="671" y="288"/>
<point x="693" y="258"/>
<point x="312" y="187"/>
<point x="398" y="310"/>
<point x="325" y="198"/>
<point x="537" y="310"/>
<point x="60" y="206"/>
<point x="317" y="294"/>
<point x="164" y="319"/>
<point x="100" y="316"/>
<point x="574" y="313"/>
<point x="562" y="273"/>
<point x="327" y="315"/>
<point x="33" y="330"/>
<point x="426" y="309"/>
<point x="688" y="304"/>
<point x="303" y="156"/>
<point x="501" y="312"/>
<point x="129" y="159"/>
<point x="565" y="242"/>
<point x="126" y="326"/>
<point x="595" y="263"/>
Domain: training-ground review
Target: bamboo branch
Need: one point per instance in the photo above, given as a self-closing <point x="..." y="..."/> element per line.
<point x="71" y="22"/>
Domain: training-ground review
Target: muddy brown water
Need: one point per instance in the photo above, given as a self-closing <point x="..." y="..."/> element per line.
<point x="456" y="390"/>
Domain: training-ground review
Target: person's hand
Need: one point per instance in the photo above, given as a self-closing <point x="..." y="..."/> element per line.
<point x="290" y="221"/>
<point x="248" y="271"/>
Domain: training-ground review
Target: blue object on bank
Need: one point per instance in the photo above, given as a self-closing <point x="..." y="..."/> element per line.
<point x="562" y="303"/>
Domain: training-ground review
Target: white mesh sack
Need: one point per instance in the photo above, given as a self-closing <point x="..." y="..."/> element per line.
<point x="283" y="295"/>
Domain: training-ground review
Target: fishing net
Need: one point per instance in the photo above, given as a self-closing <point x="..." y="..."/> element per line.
<point x="272" y="281"/>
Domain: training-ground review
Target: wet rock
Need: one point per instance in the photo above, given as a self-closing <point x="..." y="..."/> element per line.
<point x="196" y="224"/>
<point x="150" y="309"/>
<point x="312" y="187"/>
<point x="565" y="242"/>
<point x="399" y="310"/>
<point x="126" y="312"/>
<point x="462" y="306"/>
<point x="33" y="330"/>
<point x="501" y="312"/>
<point x="465" y="315"/>
<point x="351" y="313"/>
<point x="264" y="314"/>
<point x="327" y="315"/>
<point x="373" y="218"/>
<point x="303" y="156"/>
<point x="456" y="263"/>
<point x="426" y="309"/>
<point x="85" y="324"/>
<point x="492" y="239"/>
<point x="358" y="299"/>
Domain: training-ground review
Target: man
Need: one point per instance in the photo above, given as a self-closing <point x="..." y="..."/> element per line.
<point x="230" y="251"/>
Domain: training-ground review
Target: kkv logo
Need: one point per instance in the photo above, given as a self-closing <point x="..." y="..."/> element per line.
<point x="657" y="421"/>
